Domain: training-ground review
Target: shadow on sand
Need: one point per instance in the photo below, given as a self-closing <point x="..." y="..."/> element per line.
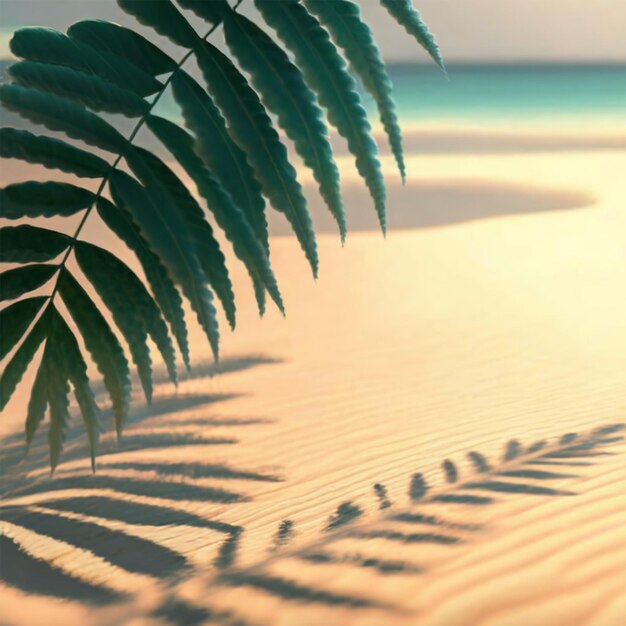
<point x="430" y="204"/>
<point x="77" y="507"/>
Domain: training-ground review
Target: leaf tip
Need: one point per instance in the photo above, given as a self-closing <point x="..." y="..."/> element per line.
<point x="342" y="232"/>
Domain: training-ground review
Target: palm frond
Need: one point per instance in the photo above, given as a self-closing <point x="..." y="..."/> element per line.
<point x="133" y="309"/>
<point x="94" y="92"/>
<point x="157" y="217"/>
<point x="37" y="403"/>
<point x="50" y="46"/>
<point x="26" y="244"/>
<point x="325" y="70"/>
<point x="55" y="362"/>
<point x="15" y="368"/>
<point x="51" y="153"/>
<point x="206" y="247"/>
<point x="60" y="114"/>
<point x="122" y="42"/>
<point x="164" y="17"/>
<point x="164" y="290"/>
<point x="102" y="344"/>
<point x="408" y="16"/>
<point x="21" y="280"/>
<point x="285" y="93"/>
<point x="252" y="129"/>
<point x="227" y="213"/>
<point x="77" y="374"/>
<point x="16" y="319"/>
<point x="354" y="36"/>
<point x="231" y="151"/>
<point x="34" y="199"/>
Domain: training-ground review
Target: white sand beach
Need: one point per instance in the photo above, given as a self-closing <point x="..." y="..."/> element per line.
<point x="493" y="311"/>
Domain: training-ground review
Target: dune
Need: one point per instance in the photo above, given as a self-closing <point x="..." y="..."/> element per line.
<point x="486" y="330"/>
<point x="441" y="202"/>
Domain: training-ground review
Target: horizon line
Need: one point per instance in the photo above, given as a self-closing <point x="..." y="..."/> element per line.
<point x="515" y="62"/>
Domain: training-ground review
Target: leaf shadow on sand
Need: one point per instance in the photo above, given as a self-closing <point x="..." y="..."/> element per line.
<point x="95" y="512"/>
<point x="514" y="475"/>
<point x="421" y="204"/>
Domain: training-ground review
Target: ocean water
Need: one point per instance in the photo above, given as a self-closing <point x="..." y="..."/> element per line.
<point x="504" y="95"/>
<point x="509" y="93"/>
<point x="499" y="95"/>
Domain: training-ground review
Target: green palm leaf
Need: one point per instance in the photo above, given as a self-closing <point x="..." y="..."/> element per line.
<point x="17" y="365"/>
<point x="164" y="17"/>
<point x="133" y="309"/>
<point x="77" y="373"/>
<point x="169" y="237"/>
<point x="50" y="46"/>
<point x="123" y="42"/>
<point x="92" y="91"/>
<point x="249" y="124"/>
<point x="165" y="293"/>
<point x="16" y="282"/>
<point x="210" y="10"/>
<point x="26" y="244"/>
<point x="15" y="320"/>
<point x="233" y="154"/>
<point x="325" y="70"/>
<point x="221" y="154"/>
<point x="252" y="129"/>
<point x="406" y="15"/>
<point x="84" y="395"/>
<point x="354" y="36"/>
<point x="285" y="93"/>
<point x="35" y="199"/>
<point x="37" y="403"/>
<point x="60" y="114"/>
<point x="51" y="153"/>
<point x="227" y="214"/>
<point x="206" y="246"/>
<point x="102" y="344"/>
<point x="55" y="361"/>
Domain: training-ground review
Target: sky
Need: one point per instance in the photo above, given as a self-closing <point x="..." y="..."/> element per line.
<point x="468" y="30"/>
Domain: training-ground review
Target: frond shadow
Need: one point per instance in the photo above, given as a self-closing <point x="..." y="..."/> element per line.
<point x="194" y="470"/>
<point x="287" y="589"/>
<point x="33" y="575"/>
<point x="126" y="551"/>
<point x="77" y="519"/>
<point x="206" y="369"/>
<point x="77" y="507"/>
<point x="179" y="612"/>
<point x="514" y="475"/>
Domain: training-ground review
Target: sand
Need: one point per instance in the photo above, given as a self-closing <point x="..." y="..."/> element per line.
<point x="493" y="311"/>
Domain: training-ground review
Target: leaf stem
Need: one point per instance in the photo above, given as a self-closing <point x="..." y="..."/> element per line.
<point x="120" y="156"/>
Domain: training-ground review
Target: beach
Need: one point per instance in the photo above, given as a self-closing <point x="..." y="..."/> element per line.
<point x="493" y="311"/>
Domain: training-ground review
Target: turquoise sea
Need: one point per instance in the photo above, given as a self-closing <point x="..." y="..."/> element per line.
<point x="495" y="94"/>
<point x="502" y="94"/>
<point x="510" y="93"/>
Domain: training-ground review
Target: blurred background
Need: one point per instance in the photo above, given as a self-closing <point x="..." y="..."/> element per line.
<point x="494" y="310"/>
